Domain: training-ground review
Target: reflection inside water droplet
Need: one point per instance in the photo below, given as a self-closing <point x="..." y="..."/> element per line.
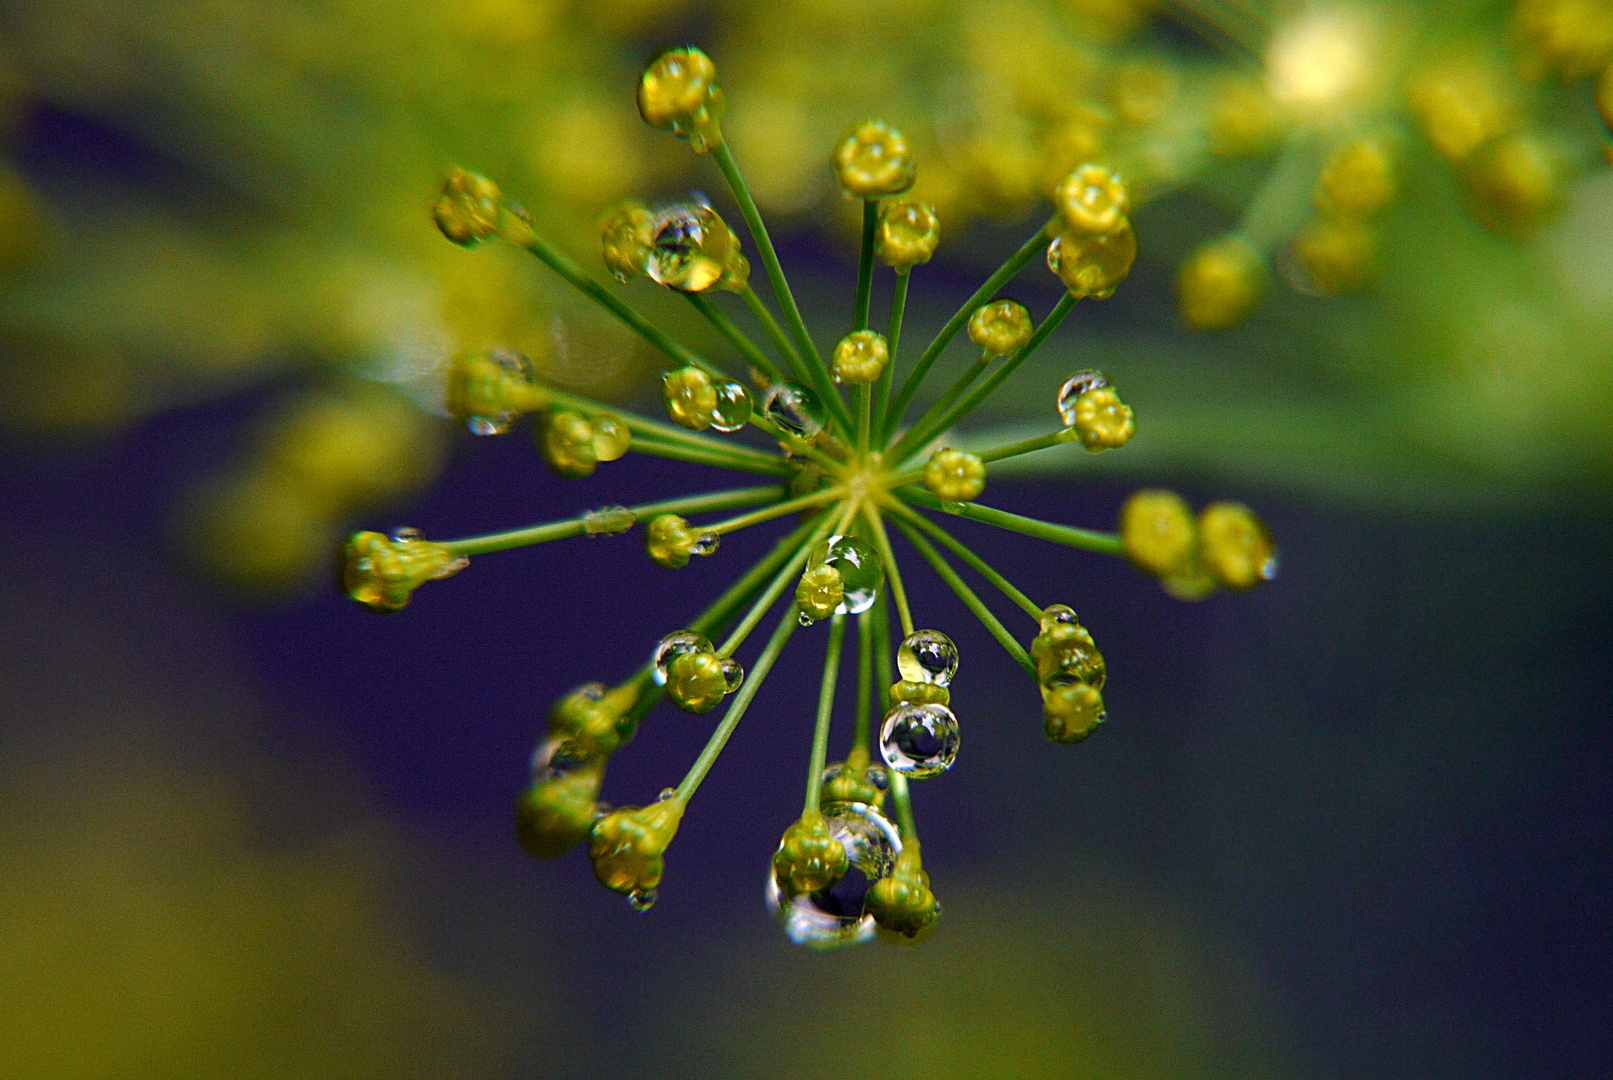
<point x="833" y="917"/>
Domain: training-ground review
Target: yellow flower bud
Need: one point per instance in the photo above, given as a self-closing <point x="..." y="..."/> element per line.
<point x="859" y="358"/>
<point x="670" y="541"/>
<point x="1071" y="711"/>
<point x="1235" y="546"/>
<point x="612" y="438"/>
<point x="1220" y="284"/>
<point x="909" y="692"/>
<point x="467" y="209"/>
<point x="567" y="442"/>
<point x="808" y="857"/>
<point x="903" y="904"/>
<point x="1157" y="532"/>
<point x="1515" y="183"/>
<point x="1461" y="103"/>
<point x="1358" y="179"/>
<point x="854" y="780"/>
<point x="489" y="391"/>
<point x="696" y="681"/>
<point x="679" y="92"/>
<point x="955" y="475"/>
<point x="909" y="233"/>
<point x="820" y="591"/>
<point x="1065" y="652"/>
<point x="874" y="160"/>
<point x="1332" y="256"/>
<point x="381" y="572"/>
<point x="628" y="846"/>
<point x="1569" y="38"/>
<point x="625" y="236"/>
<point x="1093" y="265"/>
<point x="1000" y="327"/>
<point x="1092" y="201"/>
<point x="554" y="815"/>
<point x="690" y="396"/>
<point x="1102" y="420"/>
<point x="591" y="721"/>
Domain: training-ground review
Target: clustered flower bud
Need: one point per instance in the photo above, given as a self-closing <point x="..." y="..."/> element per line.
<point x="678" y="92"/>
<point x="902" y="904"/>
<point x="909" y="233"/>
<point x="808" y="857"/>
<point x="955" y="475"/>
<point x="670" y="541"/>
<point x="557" y="813"/>
<point x="382" y="572"/>
<point x="1000" y="327"/>
<point x="467" y="210"/>
<point x="1227" y="546"/>
<point x="625" y="237"/>
<point x="1220" y="284"/>
<point x="874" y="160"/>
<point x="859" y="358"/>
<point x="567" y="442"/>
<point x="690" y="397"/>
<point x="820" y="591"/>
<point x="1092" y="409"/>
<point x="590" y="722"/>
<point x="490" y="390"/>
<point x="854" y="781"/>
<point x="1071" y="672"/>
<point x="628" y="844"/>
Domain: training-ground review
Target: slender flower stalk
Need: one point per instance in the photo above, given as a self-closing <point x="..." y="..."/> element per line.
<point x="839" y="467"/>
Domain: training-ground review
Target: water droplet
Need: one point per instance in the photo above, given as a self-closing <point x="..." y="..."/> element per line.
<point x="804" y="619"/>
<point x="691" y="249"/>
<point x="1268" y="569"/>
<point x="1061" y="613"/>
<point x="928" y="656"/>
<point x="673" y="646"/>
<point x="834" y="917"/>
<point x="642" y="900"/>
<point x="490" y="425"/>
<point x="733" y="407"/>
<point x="611" y="438"/>
<point x="403" y="534"/>
<point x="733" y="673"/>
<point x="705" y="544"/>
<point x="861" y="572"/>
<point x="919" y="741"/>
<point x="793" y="409"/>
<point x="607" y="520"/>
<point x="667" y="794"/>
<point x="1073" y="388"/>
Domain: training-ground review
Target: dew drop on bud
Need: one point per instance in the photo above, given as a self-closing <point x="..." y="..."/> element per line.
<point x="733" y="407"/>
<point x="834" y="917"/>
<point x="928" y="656"/>
<point x="804" y="619"/>
<point x="1073" y="388"/>
<point x="642" y="900"/>
<point x="919" y="741"/>
<point x="667" y="794"/>
<point x="793" y="409"/>
<point x="403" y="534"/>
<point x="705" y="544"/>
<point x="861" y="572"/>
<point x="733" y="674"/>
<point x="607" y="520"/>
<point x="673" y="646"/>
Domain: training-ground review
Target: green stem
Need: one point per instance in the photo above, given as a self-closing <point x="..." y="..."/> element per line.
<point x="742" y="700"/>
<point x="557" y="530"/>
<point x="865" y="677"/>
<point x="1016" y="262"/>
<point x="967" y="595"/>
<point x="792" y="567"/>
<point x="979" y="565"/>
<point x="954" y="392"/>
<point x="865" y="417"/>
<point x="522" y="236"/>
<point x="902" y="799"/>
<point x="918" y="436"/>
<point x="893" y="338"/>
<point x="811" y="360"/>
<point x="641" y="426"/>
<point x="796" y="446"/>
<point x="701" y="456"/>
<point x="1086" y="539"/>
<point x="1028" y="446"/>
<point x="865" y="264"/>
<point x="882" y="652"/>
<point x="892" y="574"/>
<point x="774" y="331"/>
<point x="756" y="517"/>
<point x="826" y="701"/>
<point x="736" y="337"/>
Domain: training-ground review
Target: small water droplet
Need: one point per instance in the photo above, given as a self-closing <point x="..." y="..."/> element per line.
<point x="734" y="406"/>
<point x="705" y="544"/>
<point x="667" y="794"/>
<point x="804" y="619"/>
<point x="733" y="674"/>
<point x="919" y="741"/>
<point x="490" y="425"/>
<point x="1268" y="569"/>
<point x="861" y="572"/>
<point x="793" y="409"/>
<point x="673" y="646"/>
<point x="1073" y="388"/>
<point x="928" y="656"/>
<point x="642" y="900"/>
<point x="403" y="534"/>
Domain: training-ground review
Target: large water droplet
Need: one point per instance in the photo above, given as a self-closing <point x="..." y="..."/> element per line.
<point x="642" y="900"/>
<point x="861" y="572"/>
<point x="733" y="673"/>
<point x="794" y="409"/>
<point x="691" y="248"/>
<point x="705" y="544"/>
<point x="1073" y="388"/>
<point x="919" y="741"/>
<point x="733" y="407"/>
<point x="833" y="917"/>
<point x="928" y="656"/>
<point x="673" y="646"/>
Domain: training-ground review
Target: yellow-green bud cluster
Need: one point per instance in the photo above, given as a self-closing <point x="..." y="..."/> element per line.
<point x="1071" y="672"/>
<point x="627" y="846"/>
<point x="1093" y="245"/>
<point x="1000" y="327"/>
<point x="467" y="210"/>
<point x="902" y="904"/>
<point x="491" y="390"/>
<point x="556" y="813"/>
<point x="698" y="680"/>
<point x="678" y="92"/>
<point x="955" y="475"/>
<point x="915" y="692"/>
<point x="820" y="591"/>
<point x="670" y="541"/>
<point x="859" y="358"/>
<point x="591" y="722"/>
<point x="625" y="237"/>
<point x="874" y="160"/>
<point x="1226" y="546"/>
<point x="690" y="397"/>
<point x="1220" y="284"/>
<point x="381" y="572"/>
<point x="573" y="444"/>
<point x="909" y="233"/>
<point x="809" y="858"/>
<point x="854" y="781"/>
<point x="1091" y="407"/>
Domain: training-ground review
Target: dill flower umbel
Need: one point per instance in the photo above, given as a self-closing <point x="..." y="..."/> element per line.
<point x="852" y="468"/>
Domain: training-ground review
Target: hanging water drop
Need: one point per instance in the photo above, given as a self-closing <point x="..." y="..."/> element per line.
<point x="793" y="409"/>
<point x="642" y="900"/>
<point x="833" y="917"/>
<point x="861" y="572"/>
<point x="919" y="741"/>
<point x="928" y="656"/>
<point x="733" y="409"/>
<point x="733" y="673"/>
<point x="1073" y="388"/>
